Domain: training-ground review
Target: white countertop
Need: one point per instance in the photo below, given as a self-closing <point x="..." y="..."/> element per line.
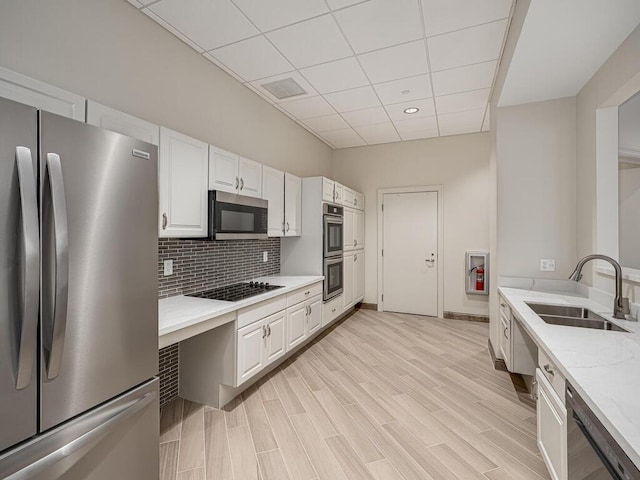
<point x="181" y="312"/>
<point x="603" y="366"/>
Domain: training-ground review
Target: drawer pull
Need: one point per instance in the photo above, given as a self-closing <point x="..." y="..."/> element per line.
<point x="505" y="332"/>
<point x="307" y="292"/>
<point x="503" y="305"/>
<point x="549" y="370"/>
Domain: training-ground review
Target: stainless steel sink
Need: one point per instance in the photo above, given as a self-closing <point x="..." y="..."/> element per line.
<point x="573" y="317"/>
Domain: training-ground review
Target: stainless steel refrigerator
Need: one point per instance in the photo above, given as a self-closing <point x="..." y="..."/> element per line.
<point x="78" y="300"/>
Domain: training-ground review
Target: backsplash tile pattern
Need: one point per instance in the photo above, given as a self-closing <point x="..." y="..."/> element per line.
<point x="169" y="362"/>
<point x="202" y="265"/>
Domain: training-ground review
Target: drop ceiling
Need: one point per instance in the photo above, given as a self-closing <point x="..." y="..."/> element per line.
<point x="359" y="63"/>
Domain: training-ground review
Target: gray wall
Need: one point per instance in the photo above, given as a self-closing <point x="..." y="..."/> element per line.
<point x="110" y="52"/>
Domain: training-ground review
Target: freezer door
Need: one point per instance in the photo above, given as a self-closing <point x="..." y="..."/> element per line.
<point x="118" y="440"/>
<point x="19" y="245"/>
<point x="99" y="311"/>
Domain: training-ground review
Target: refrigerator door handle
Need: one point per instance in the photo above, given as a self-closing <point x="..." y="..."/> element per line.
<point x="31" y="275"/>
<point x="53" y="173"/>
<point x="62" y="459"/>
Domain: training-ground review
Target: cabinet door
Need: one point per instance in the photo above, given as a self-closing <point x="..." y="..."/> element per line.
<point x="276" y="339"/>
<point x="111" y="119"/>
<point x="23" y="89"/>
<point x="349" y="270"/>
<point x="358" y="282"/>
<point x="223" y="170"/>
<point x="328" y="187"/>
<point x="296" y="324"/>
<point x="505" y="340"/>
<point x="348" y="229"/>
<point x="273" y="182"/>
<point x="250" y="174"/>
<point x="339" y="194"/>
<point x="292" y="205"/>
<point x="358" y="200"/>
<point x="552" y="429"/>
<point x="315" y="314"/>
<point x="251" y="340"/>
<point x="183" y="185"/>
<point x="349" y="197"/>
<point x="358" y="229"/>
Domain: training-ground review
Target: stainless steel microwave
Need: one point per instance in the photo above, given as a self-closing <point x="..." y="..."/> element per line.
<point x="236" y="217"/>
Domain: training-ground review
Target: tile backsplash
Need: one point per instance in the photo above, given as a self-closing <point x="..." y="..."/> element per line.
<point x="202" y="265"/>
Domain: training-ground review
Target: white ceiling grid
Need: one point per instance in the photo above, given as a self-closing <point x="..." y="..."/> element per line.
<point x="361" y="62"/>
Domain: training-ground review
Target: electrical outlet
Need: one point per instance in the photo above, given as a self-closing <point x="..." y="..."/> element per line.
<point x="265" y="256"/>
<point x="168" y="267"/>
<point x="547" y="265"/>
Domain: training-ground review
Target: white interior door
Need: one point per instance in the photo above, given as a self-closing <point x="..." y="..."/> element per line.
<point x="410" y="260"/>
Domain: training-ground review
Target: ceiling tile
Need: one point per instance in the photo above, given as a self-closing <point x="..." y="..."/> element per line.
<point x="308" y="107"/>
<point x="392" y="92"/>
<point x="459" y="102"/>
<point x="354" y="99"/>
<point x="379" y="133"/>
<point x="463" y="79"/>
<point x="461" y="122"/>
<point x="441" y="16"/>
<point x="396" y="111"/>
<point x="343" y="138"/>
<point x="223" y="67"/>
<point x="420" y="124"/>
<point x="173" y="30"/>
<point x="326" y="123"/>
<point x="464" y="47"/>
<point x="380" y="23"/>
<point x="338" y="4"/>
<point x="418" y="134"/>
<point x="368" y="116"/>
<point x="311" y="42"/>
<point x="395" y="62"/>
<point x="253" y="58"/>
<point x="209" y="23"/>
<point x="333" y="76"/>
<point x="278" y="13"/>
<point x="299" y="79"/>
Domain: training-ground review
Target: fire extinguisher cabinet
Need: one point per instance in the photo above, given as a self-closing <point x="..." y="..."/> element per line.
<point x="477" y="277"/>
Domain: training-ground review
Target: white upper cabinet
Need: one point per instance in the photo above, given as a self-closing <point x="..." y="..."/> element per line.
<point x="328" y="189"/>
<point x="231" y="173"/>
<point x="23" y="89"/>
<point x="293" y="205"/>
<point x="358" y="229"/>
<point x="273" y="190"/>
<point x="223" y="170"/>
<point x="358" y="200"/>
<point x="348" y="229"/>
<point x="183" y="185"/>
<point x="250" y="174"/>
<point x="116" y="121"/>
<point x="339" y="194"/>
<point x="349" y="197"/>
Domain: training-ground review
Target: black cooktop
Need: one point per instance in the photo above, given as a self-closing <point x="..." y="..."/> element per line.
<point x="237" y="291"/>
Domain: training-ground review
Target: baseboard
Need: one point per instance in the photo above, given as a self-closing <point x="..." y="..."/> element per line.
<point x="470" y="317"/>
<point x="368" y="306"/>
<point x="498" y="363"/>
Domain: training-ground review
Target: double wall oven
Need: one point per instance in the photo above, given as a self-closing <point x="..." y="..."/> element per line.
<point x="333" y="262"/>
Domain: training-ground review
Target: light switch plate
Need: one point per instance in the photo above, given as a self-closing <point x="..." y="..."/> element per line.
<point x="168" y="267"/>
<point x="265" y="256"/>
<point x="547" y="265"/>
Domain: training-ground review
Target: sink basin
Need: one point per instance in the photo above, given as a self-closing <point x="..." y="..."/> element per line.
<point x="600" y="324"/>
<point x="573" y="317"/>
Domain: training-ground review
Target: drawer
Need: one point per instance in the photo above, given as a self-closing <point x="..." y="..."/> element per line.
<point x="303" y="294"/>
<point x="331" y="310"/>
<point x="248" y="315"/>
<point x="552" y="374"/>
<point x="505" y="309"/>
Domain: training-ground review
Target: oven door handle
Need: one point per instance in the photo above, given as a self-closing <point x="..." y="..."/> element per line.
<point x="605" y="461"/>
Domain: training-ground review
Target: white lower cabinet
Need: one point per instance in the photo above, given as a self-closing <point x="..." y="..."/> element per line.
<point x="297" y="324"/>
<point x="250" y="350"/>
<point x="358" y="277"/>
<point x="552" y="428"/>
<point x="353" y="288"/>
<point x="315" y="315"/>
<point x="276" y="338"/>
<point x="331" y="310"/>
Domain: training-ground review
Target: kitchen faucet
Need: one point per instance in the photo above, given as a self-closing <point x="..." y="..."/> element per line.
<point x="620" y="304"/>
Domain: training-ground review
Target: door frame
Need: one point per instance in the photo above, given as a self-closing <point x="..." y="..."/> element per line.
<point x="428" y="188"/>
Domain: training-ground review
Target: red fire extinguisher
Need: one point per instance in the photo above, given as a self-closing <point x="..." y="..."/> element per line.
<point x="480" y="278"/>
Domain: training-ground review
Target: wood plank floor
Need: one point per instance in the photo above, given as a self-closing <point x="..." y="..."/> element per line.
<point x="382" y="397"/>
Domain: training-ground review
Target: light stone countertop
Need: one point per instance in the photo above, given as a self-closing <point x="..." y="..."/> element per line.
<point x="603" y="366"/>
<point x="192" y="315"/>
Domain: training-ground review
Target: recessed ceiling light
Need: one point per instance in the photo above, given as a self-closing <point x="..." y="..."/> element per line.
<point x="411" y="110"/>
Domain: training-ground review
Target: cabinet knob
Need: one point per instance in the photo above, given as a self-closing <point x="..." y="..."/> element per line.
<point x="287" y="226"/>
<point x="242" y="184"/>
<point x="505" y="332"/>
<point x="549" y="370"/>
<point x="237" y="182"/>
<point x="307" y="292"/>
<point x="264" y="331"/>
<point x="268" y="330"/>
<point x="164" y="221"/>
<point x="355" y="201"/>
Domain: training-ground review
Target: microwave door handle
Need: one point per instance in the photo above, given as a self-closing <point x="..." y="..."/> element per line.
<point x="53" y="174"/>
<point x="31" y="275"/>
